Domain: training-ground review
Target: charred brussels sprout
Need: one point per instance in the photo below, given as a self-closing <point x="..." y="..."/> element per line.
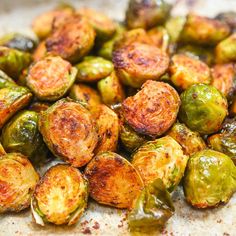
<point x="210" y="179"/>
<point x="228" y="17"/>
<point x="5" y="80"/>
<point x="18" y="180"/>
<point x="190" y="141"/>
<point x="18" y="41"/>
<point x="162" y="158"/>
<point x="50" y="78"/>
<point x="203" y="31"/>
<point x="72" y="40"/>
<point x="60" y="197"/>
<point x="12" y="99"/>
<point x="40" y="51"/>
<point x="113" y="180"/>
<point x="137" y="63"/>
<point x="111" y="90"/>
<point x="21" y="135"/>
<point x="69" y="132"/>
<point x="92" y="69"/>
<point x="186" y="71"/>
<point x="153" y="109"/>
<point x="152" y="208"/>
<point x="146" y="13"/>
<point x="13" y="61"/>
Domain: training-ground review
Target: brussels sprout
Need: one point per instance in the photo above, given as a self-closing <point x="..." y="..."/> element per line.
<point x="137" y="63"/>
<point x="228" y="17"/>
<point x="225" y="51"/>
<point x="5" y="80"/>
<point x="18" y="41"/>
<point x="186" y="71"/>
<point x="152" y="208"/>
<point x="153" y="110"/>
<point x="40" y="51"/>
<point x="210" y="179"/>
<point x="111" y="90"/>
<point x="86" y="95"/>
<point x="60" y="197"/>
<point x="12" y="99"/>
<point x="92" y="69"/>
<point x="72" y="40"/>
<point x="13" y="62"/>
<point x="190" y="141"/>
<point x="108" y="129"/>
<point x="21" y="134"/>
<point x="130" y="139"/>
<point x="113" y="180"/>
<point x="18" y="180"/>
<point x="203" y="30"/>
<point x="103" y="25"/>
<point x="50" y="78"/>
<point x="224" y="79"/>
<point x="146" y="13"/>
<point x="161" y="158"/>
<point x="69" y="131"/>
<point x="39" y="106"/>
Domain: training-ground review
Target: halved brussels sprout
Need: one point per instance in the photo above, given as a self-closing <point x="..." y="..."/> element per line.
<point x="71" y="40"/>
<point x="111" y="89"/>
<point x="69" y="131"/>
<point x="108" y="129"/>
<point x="21" y="135"/>
<point x="152" y="110"/>
<point x="190" y="141"/>
<point x="86" y="95"/>
<point x="12" y="99"/>
<point x="13" y="61"/>
<point x="92" y="69"/>
<point x="186" y="71"/>
<point x="18" y="179"/>
<point x="225" y="51"/>
<point x="228" y="17"/>
<point x="161" y="158"/>
<point x="5" y="80"/>
<point x="50" y="78"/>
<point x="40" y="51"/>
<point x="103" y="25"/>
<point x="146" y="13"/>
<point x="18" y="41"/>
<point x="137" y="63"/>
<point x="60" y="197"/>
<point x="203" y="30"/>
<point x="210" y="179"/>
<point x="113" y="180"/>
<point x="152" y="209"/>
<point x="203" y="108"/>
<point x="39" y="106"/>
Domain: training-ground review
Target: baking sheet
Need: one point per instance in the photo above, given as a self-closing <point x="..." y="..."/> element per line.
<point x="16" y="15"/>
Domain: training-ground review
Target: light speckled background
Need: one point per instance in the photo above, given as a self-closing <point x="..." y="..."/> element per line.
<point x="16" y="15"/>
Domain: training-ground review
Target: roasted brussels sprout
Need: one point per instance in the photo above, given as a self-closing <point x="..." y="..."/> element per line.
<point x="228" y="17"/>
<point x="190" y="141"/>
<point x="186" y="71"/>
<point x="13" y="61"/>
<point x="203" y="30"/>
<point x="111" y="90"/>
<point x="153" y="109"/>
<point x="152" y="208"/>
<point x="18" y="180"/>
<point x="137" y="63"/>
<point x="21" y="135"/>
<point x="72" y="40"/>
<point x="210" y="179"/>
<point x="40" y="51"/>
<point x="203" y="108"/>
<point x="50" y="78"/>
<point x="113" y="180"/>
<point x="161" y="158"/>
<point x="225" y="51"/>
<point x="104" y="26"/>
<point x="92" y="69"/>
<point x="12" y="99"/>
<point x="67" y="127"/>
<point x="18" y="41"/>
<point x="60" y="197"/>
<point x="5" y="80"/>
<point x="146" y="13"/>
